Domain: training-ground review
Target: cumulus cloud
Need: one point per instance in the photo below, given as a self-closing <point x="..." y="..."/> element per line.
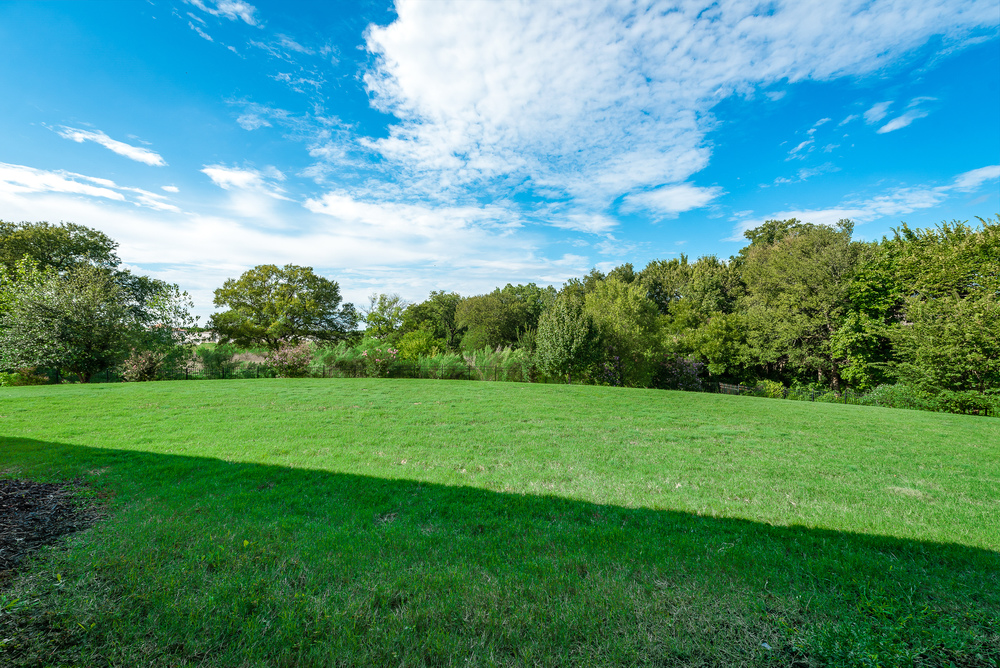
<point x="673" y="200"/>
<point x="594" y="102"/>
<point x="137" y="153"/>
<point x="170" y="189"/>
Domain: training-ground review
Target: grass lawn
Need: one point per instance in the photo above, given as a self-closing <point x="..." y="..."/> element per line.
<point x="379" y="522"/>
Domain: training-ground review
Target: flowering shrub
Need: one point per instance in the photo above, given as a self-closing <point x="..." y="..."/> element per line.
<point x="291" y="360"/>
<point x="378" y="361"/>
<point x="142" y="365"/>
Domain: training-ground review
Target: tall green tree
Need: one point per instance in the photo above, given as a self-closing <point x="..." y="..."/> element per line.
<point x="61" y="247"/>
<point x="76" y="321"/>
<point x="797" y="278"/>
<point x="629" y="326"/>
<point x="502" y="317"/>
<point x="438" y="315"/>
<point x="383" y="316"/>
<point x="268" y="304"/>
<point x="666" y="281"/>
<point x="567" y="340"/>
<point x="894" y="277"/>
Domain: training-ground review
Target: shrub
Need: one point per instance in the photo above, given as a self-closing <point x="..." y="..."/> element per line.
<point x="291" y="360"/>
<point x="419" y="343"/>
<point x="216" y="359"/>
<point x="676" y="372"/>
<point x="22" y="377"/>
<point x="968" y="402"/>
<point x="771" y="389"/>
<point x="379" y="361"/>
<point x="143" y="365"/>
<point x="900" y="396"/>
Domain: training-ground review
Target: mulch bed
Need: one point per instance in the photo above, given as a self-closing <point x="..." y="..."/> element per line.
<point x="33" y="514"/>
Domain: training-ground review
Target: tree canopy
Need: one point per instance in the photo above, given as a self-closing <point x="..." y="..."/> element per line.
<point x="268" y="304"/>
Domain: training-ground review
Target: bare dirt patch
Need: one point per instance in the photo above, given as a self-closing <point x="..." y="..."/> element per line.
<point x="34" y="514"/>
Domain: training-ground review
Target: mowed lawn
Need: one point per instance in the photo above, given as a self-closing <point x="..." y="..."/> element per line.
<point x="377" y="522"/>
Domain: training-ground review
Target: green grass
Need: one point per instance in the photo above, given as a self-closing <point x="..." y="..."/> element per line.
<point x="379" y="522"/>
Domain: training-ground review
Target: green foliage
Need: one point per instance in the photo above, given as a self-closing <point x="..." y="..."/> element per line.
<point x="268" y="304"/>
<point x="23" y="377"/>
<point x="666" y="281"/>
<point x="499" y="318"/>
<point x="59" y="247"/>
<point x="797" y="277"/>
<point x="628" y="324"/>
<point x="384" y="316"/>
<point x="419" y="343"/>
<point x="900" y="396"/>
<point x="77" y="322"/>
<point x="568" y="343"/>
<point x="771" y="389"/>
<point x="216" y="359"/>
<point x="503" y="364"/>
<point x="950" y="343"/>
<point x="438" y="315"/>
<point x="968" y="402"/>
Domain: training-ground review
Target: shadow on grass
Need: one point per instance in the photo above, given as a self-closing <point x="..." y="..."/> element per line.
<point x="206" y="562"/>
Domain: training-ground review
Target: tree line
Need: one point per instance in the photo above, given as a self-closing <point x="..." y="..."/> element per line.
<point x="801" y="304"/>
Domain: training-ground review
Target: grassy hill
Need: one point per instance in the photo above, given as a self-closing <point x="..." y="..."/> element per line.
<point x="379" y="522"/>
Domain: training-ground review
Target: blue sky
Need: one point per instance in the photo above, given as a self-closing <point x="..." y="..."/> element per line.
<point x="416" y="146"/>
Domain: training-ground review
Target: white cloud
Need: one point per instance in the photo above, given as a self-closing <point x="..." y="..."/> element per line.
<point x="136" y="153"/>
<point x="847" y="120"/>
<point x="233" y="178"/>
<point x="21" y="180"/>
<point x="822" y="121"/>
<point x="365" y="245"/>
<point x="404" y="219"/>
<point x="251" y="121"/>
<point x="973" y="179"/>
<point x="201" y="33"/>
<point x="901" y="121"/>
<point x="230" y="9"/>
<point x="877" y="112"/>
<point x="592" y="223"/>
<point x="913" y="113"/>
<point x="594" y="102"/>
<point x="170" y="189"/>
<point x="673" y="200"/>
<point x="895" y="202"/>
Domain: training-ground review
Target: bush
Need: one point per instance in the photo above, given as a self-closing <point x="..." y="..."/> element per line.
<point x="419" y="343"/>
<point x="900" y="396"/>
<point x="379" y="361"/>
<point x="968" y="402"/>
<point x="676" y="372"/>
<point x="143" y="365"/>
<point x="216" y="360"/>
<point x="771" y="389"/>
<point x="23" y="377"/>
<point x="291" y="360"/>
